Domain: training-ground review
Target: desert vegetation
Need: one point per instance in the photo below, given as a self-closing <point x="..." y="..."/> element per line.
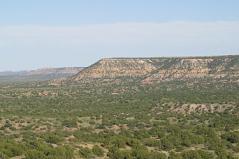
<point x="118" y="121"/>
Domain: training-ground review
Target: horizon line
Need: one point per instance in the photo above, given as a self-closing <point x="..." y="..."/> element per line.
<point x="103" y="58"/>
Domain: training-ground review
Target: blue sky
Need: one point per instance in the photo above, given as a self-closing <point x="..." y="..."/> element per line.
<point x="56" y="33"/>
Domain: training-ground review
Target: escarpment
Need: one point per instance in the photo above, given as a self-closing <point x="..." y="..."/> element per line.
<point x="156" y="70"/>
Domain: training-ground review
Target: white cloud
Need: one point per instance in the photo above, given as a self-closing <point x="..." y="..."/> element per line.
<point x="142" y="34"/>
<point x="120" y="39"/>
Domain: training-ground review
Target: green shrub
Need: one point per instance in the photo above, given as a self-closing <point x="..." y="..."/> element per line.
<point x="35" y="154"/>
<point x="52" y="138"/>
<point x="69" y="123"/>
<point x="97" y="151"/>
<point x="85" y="152"/>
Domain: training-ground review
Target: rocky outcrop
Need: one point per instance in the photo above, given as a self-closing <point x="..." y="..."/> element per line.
<point x="115" y="68"/>
<point x="202" y="108"/>
<point x="151" y="70"/>
<point x="197" y="68"/>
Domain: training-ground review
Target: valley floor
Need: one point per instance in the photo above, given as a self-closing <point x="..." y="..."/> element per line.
<point x="118" y="121"/>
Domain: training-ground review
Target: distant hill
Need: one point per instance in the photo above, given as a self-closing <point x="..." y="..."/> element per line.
<point x="155" y="70"/>
<point x="39" y="74"/>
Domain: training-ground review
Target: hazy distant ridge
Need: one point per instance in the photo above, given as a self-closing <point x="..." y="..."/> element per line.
<point x="39" y="74"/>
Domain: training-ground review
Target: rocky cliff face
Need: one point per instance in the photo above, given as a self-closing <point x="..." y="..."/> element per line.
<point x="217" y="68"/>
<point x="151" y="70"/>
<point x="114" y="68"/>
